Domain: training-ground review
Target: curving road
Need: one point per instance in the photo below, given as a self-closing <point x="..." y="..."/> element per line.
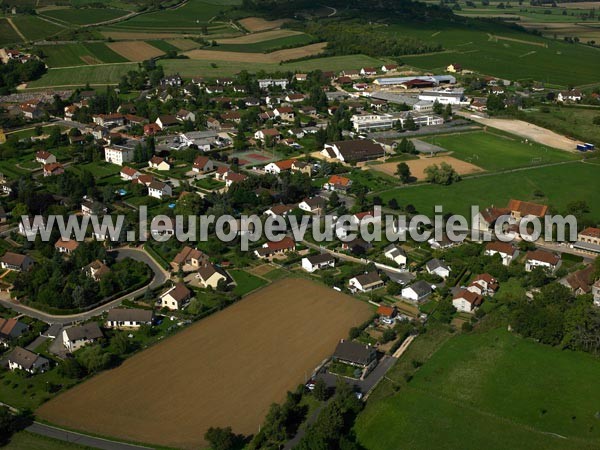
<point x="160" y="277"/>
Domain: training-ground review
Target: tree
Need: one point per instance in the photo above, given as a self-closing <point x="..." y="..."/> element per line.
<point x="334" y="200"/>
<point x="403" y="172"/>
<point x="442" y="174"/>
<point x="409" y="124"/>
<point x="221" y="438"/>
<point x="320" y="391"/>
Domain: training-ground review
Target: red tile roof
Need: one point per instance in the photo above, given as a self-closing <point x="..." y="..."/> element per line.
<point x="527" y="208"/>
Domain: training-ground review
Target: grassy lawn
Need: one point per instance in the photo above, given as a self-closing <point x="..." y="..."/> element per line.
<point x="499" y="382"/>
<point x="99" y="169"/>
<point x="24" y="440"/>
<point x="276" y="274"/>
<point x="84" y="16"/>
<point x="496" y="151"/>
<point x="245" y="282"/>
<point x="80" y="54"/>
<point x="558" y="184"/>
<point x="345" y="370"/>
<point x="209" y="184"/>
<point x="79" y="76"/>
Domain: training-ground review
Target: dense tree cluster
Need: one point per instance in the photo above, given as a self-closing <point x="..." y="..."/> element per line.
<point x="14" y="73"/>
<point x="442" y="174"/>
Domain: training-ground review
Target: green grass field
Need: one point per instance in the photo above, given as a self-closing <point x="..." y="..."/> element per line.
<point x="490" y="390"/>
<point x="79" y="76"/>
<point x="35" y="28"/>
<point x="246" y="282"/>
<point x="67" y="55"/>
<point x="494" y="152"/>
<point x="267" y="46"/>
<point x="163" y="45"/>
<point x="546" y="60"/>
<point x="7" y="33"/>
<point x="575" y="122"/>
<point x="28" y="441"/>
<point x="83" y="16"/>
<point x="559" y="184"/>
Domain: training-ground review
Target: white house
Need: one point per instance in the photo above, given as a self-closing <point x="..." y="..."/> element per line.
<point x="78" y="336"/>
<point x="44" y="157"/>
<point x="417" y="291"/>
<point x="396" y="254"/>
<point x="121" y="318"/>
<point x="129" y="173"/>
<point x="176" y="297"/>
<point x="372" y="122"/>
<point x="22" y="359"/>
<point x="158" y="163"/>
<point x="437" y="267"/>
<point x="466" y="301"/>
<point x="209" y="276"/>
<point x="203" y="164"/>
<point x="315" y="205"/>
<point x="279" y="166"/>
<point x="317" y="262"/>
<point x="16" y="262"/>
<point x="118" y="154"/>
<point x="484" y="284"/>
<point x="506" y="251"/>
<point x="541" y="258"/>
<point x="365" y="282"/>
<point x="158" y="189"/>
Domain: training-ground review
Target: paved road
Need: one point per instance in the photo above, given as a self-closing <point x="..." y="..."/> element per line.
<point x="160" y="277"/>
<point x="78" y="438"/>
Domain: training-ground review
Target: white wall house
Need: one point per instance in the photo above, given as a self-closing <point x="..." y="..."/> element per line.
<point x="118" y="155"/>
<point x="317" y="262"/>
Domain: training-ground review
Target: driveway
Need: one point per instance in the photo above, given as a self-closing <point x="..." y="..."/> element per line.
<point x="159" y="278"/>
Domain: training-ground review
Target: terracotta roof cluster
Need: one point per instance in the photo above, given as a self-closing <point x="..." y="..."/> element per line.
<point x="501" y="247"/>
<point x="543" y="256"/>
<point x="527" y="208"/>
<point x="591" y="232"/>
<point x="473" y="298"/>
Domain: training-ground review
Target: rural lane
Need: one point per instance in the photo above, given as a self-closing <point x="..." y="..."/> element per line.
<point x="160" y="277"/>
<point x="80" y="439"/>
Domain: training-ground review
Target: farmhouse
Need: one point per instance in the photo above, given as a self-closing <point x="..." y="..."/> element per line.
<point x="355" y="354"/>
<point x="417" y="291"/>
<point x="317" y="262"/>
<point x="189" y="259"/>
<point x="121" y="318"/>
<point x="486" y="220"/>
<point x="11" y="329"/>
<point x="573" y="95"/>
<point x="396" y="254"/>
<point x="389" y="67"/>
<point x="210" y="275"/>
<point x="272" y="248"/>
<point x="16" y="262"/>
<point x="78" y="336"/>
<point x="67" y="246"/>
<point x="365" y="282"/>
<point x="353" y="151"/>
<point x="22" y="359"/>
<point x="438" y="267"/>
<point x="581" y="281"/>
<point x="541" y="258"/>
<point x="520" y="209"/>
<point x="175" y="297"/>
<point x="506" y="251"/>
<point x="44" y="157"/>
<point x="466" y="301"/>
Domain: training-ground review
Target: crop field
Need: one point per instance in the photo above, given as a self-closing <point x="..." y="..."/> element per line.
<point x="223" y="371"/>
<point x="80" y="76"/>
<point x="267" y="46"/>
<point x="163" y="45"/>
<point x="8" y="35"/>
<point x="182" y="44"/>
<point x="135" y="50"/>
<point x="418" y="166"/>
<point x="268" y="58"/>
<point x="476" y="48"/>
<point x="35" y="28"/>
<point x="554" y="185"/>
<point x="254" y="24"/>
<point x="253" y="38"/>
<point x="66" y="55"/>
<point x="83" y="16"/>
<point x="494" y="152"/>
<point x="490" y="390"/>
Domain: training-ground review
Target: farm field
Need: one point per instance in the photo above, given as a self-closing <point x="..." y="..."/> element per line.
<point x="259" y="37"/>
<point x="8" y="35"/>
<point x="268" y="58"/>
<point x="163" y="45"/>
<point x="83" y="16"/>
<point x="498" y="381"/>
<point x="255" y="24"/>
<point x="94" y="75"/>
<point x="67" y="55"/>
<point x="35" y="28"/>
<point x="134" y="50"/>
<point x="557" y="185"/>
<point x="418" y="166"/>
<point x="475" y="48"/>
<point x="267" y="45"/>
<point x="494" y="152"/>
<point x="223" y="371"/>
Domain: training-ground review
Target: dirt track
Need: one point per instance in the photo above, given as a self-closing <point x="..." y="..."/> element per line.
<point x="527" y="130"/>
<point x="417" y="166"/>
<point x="223" y="371"/>
<point x="267" y="58"/>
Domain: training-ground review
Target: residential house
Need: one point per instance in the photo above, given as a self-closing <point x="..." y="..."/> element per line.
<point x="281" y="210"/>
<point x="166" y="121"/>
<point x="11" y="329"/>
<point x="16" y="262"/>
<point x="79" y="336"/>
<point x="128" y="319"/>
<point x="273" y="248"/>
<point x="158" y="163"/>
<point x="175" y="297"/>
<point x="466" y="301"/>
<point x="184" y="115"/>
<point x="301" y="166"/>
<point x="119" y="154"/>
<point x="53" y="169"/>
<point x="189" y="259"/>
<point x="484" y="284"/>
<point x="44" y="157"/>
<point x="22" y="359"/>
<point x="203" y="164"/>
<point x="210" y="275"/>
<point x="389" y="67"/>
<point x="109" y="120"/>
<point x="171" y="80"/>
<point x="580" y="282"/>
<point x="269" y="133"/>
<point x="486" y="220"/>
<point x="417" y="291"/>
<point x="129" y="173"/>
<point x="453" y="68"/>
<point x="588" y="240"/>
<point x="316" y="262"/>
<point x="279" y="166"/>
<point x="353" y="151"/>
<point x="387" y="314"/>
<point x="270" y="82"/>
<point x="356" y="354"/>
<point x="541" y="258"/>
<point x="294" y="98"/>
<point x="159" y="189"/>
<point x="438" y="267"/>
<point x="368" y="71"/>
<point x="96" y="270"/>
<point x="315" y="205"/>
<point x="506" y="251"/>
<point x="67" y="246"/>
<point x="285" y="113"/>
<point x="338" y="183"/>
<point x="357" y="246"/>
<point x="365" y="282"/>
<point x="574" y="95"/>
<point x="520" y="209"/>
<point x="396" y="254"/>
<point x="90" y="207"/>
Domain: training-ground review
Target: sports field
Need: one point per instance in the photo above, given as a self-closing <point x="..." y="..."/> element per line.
<point x="494" y="151"/>
<point x="490" y="390"/>
<point x="418" y="166"/>
<point x="557" y="186"/>
<point x="223" y="371"/>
